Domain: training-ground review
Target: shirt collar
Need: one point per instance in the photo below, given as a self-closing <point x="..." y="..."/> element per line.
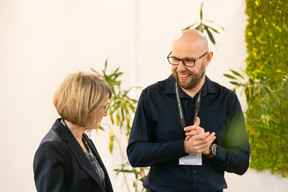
<point x="208" y="87"/>
<point x="169" y="86"/>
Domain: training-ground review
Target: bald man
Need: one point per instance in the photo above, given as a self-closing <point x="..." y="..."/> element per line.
<point x="187" y="128"/>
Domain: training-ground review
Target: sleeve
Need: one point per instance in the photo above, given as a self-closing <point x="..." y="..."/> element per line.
<point x="49" y="166"/>
<point x="144" y="149"/>
<point x="233" y="153"/>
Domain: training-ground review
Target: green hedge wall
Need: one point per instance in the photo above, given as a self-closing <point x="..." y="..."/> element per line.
<point x="267" y="38"/>
<point x="267" y="114"/>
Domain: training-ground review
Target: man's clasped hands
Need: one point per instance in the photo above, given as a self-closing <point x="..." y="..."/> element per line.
<point x="197" y="140"/>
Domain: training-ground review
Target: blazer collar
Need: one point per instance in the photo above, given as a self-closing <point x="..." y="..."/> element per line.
<point x="65" y="134"/>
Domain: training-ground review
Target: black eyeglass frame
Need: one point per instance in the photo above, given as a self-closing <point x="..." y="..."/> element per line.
<point x="107" y="107"/>
<point x="194" y="60"/>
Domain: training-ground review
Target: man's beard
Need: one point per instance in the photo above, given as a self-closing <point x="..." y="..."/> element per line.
<point x="196" y="78"/>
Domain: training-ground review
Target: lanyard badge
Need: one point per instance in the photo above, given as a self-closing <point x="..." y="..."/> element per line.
<point x="191" y="159"/>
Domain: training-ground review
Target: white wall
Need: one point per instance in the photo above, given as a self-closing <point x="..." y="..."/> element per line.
<point x="41" y="41"/>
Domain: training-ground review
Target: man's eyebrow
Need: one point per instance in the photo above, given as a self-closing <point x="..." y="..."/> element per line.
<point x="183" y="58"/>
<point x="189" y="58"/>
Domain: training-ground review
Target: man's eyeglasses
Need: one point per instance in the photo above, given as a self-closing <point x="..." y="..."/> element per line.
<point x="107" y="107"/>
<point x="188" y="62"/>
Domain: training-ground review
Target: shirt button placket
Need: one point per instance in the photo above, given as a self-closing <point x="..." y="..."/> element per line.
<point x="193" y="173"/>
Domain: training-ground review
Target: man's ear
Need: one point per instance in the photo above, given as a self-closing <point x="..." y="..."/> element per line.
<point x="208" y="58"/>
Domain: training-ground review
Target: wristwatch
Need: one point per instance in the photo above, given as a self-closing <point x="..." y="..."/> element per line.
<point x="213" y="150"/>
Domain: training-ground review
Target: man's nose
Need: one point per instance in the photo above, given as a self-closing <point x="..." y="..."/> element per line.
<point x="181" y="66"/>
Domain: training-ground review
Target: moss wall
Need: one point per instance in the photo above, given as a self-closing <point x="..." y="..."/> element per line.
<point x="267" y="115"/>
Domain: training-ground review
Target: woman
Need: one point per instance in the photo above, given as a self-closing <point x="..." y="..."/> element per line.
<point x="67" y="159"/>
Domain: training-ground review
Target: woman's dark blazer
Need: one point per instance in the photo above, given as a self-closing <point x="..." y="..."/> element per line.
<point x="60" y="164"/>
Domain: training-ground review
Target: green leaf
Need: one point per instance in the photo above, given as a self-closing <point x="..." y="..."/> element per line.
<point x="93" y="70"/>
<point x="255" y="90"/>
<point x="106" y="64"/>
<point x="267" y="90"/>
<point x="198" y="27"/>
<point x="212" y="22"/>
<point x="111" y="141"/>
<point x="230" y="76"/>
<point x="122" y="109"/>
<point x="214" y="30"/>
<point x="189" y="27"/>
<point x="236" y="73"/>
<point x="101" y="128"/>
<point x="201" y="12"/>
<point x="210" y="35"/>
<point x="251" y="81"/>
<point x="235" y="83"/>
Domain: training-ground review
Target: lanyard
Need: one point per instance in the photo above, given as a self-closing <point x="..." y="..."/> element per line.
<point x="197" y="106"/>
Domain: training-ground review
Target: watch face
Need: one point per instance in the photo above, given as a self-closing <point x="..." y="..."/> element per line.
<point x="214" y="149"/>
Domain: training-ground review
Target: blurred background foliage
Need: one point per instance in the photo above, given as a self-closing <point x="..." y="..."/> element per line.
<point x="267" y="62"/>
<point x="121" y="115"/>
<point x="207" y="26"/>
<point x="266" y="87"/>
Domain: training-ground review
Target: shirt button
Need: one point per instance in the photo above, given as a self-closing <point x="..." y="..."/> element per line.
<point x="194" y="171"/>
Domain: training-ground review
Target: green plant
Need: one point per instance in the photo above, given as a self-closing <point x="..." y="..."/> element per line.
<point x="264" y="121"/>
<point x="121" y="112"/>
<point x="206" y="26"/>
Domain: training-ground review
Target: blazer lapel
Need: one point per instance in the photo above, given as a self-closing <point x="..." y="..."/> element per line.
<point x="77" y="150"/>
<point x="95" y="152"/>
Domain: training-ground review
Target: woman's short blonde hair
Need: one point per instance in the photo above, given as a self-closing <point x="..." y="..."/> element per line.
<point x="79" y="96"/>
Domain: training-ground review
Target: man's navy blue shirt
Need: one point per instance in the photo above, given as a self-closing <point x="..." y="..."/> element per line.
<point x="157" y="138"/>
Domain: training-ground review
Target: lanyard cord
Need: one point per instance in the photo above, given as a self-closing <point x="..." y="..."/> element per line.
<point x="197" y="106"/>
<point x="182" y="120"/>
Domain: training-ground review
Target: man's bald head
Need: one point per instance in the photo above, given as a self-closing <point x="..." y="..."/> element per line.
<point x="190" y="46"/>
<point x="190" y="39"/>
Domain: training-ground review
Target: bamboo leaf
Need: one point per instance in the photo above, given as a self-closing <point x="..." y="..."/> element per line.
<point x="230" y="76"/>
<point x="111" y="117"/>
<point x="213" y="29"/>
<point x="267" y="90"/>
<point x="118" y="119"/>
<point x="235" y="83"/>
<point x="93" y="70"/>
<point x="251" y="81"/>
<point x="122" y="109"/>
<point x="189" y="27"/>
<point x="236" y="73"/>
<point x="106" y="64"/>
<point x="201" y="12"/>
<point x="111" y="141"/>
<point x="198" y="27"/>
<point x="216" y="24"/>
<point x="210" y="35"/>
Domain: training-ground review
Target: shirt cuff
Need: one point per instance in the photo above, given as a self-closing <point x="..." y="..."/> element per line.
<point x="221" y="154"/>
<point x="178" y="148"/>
